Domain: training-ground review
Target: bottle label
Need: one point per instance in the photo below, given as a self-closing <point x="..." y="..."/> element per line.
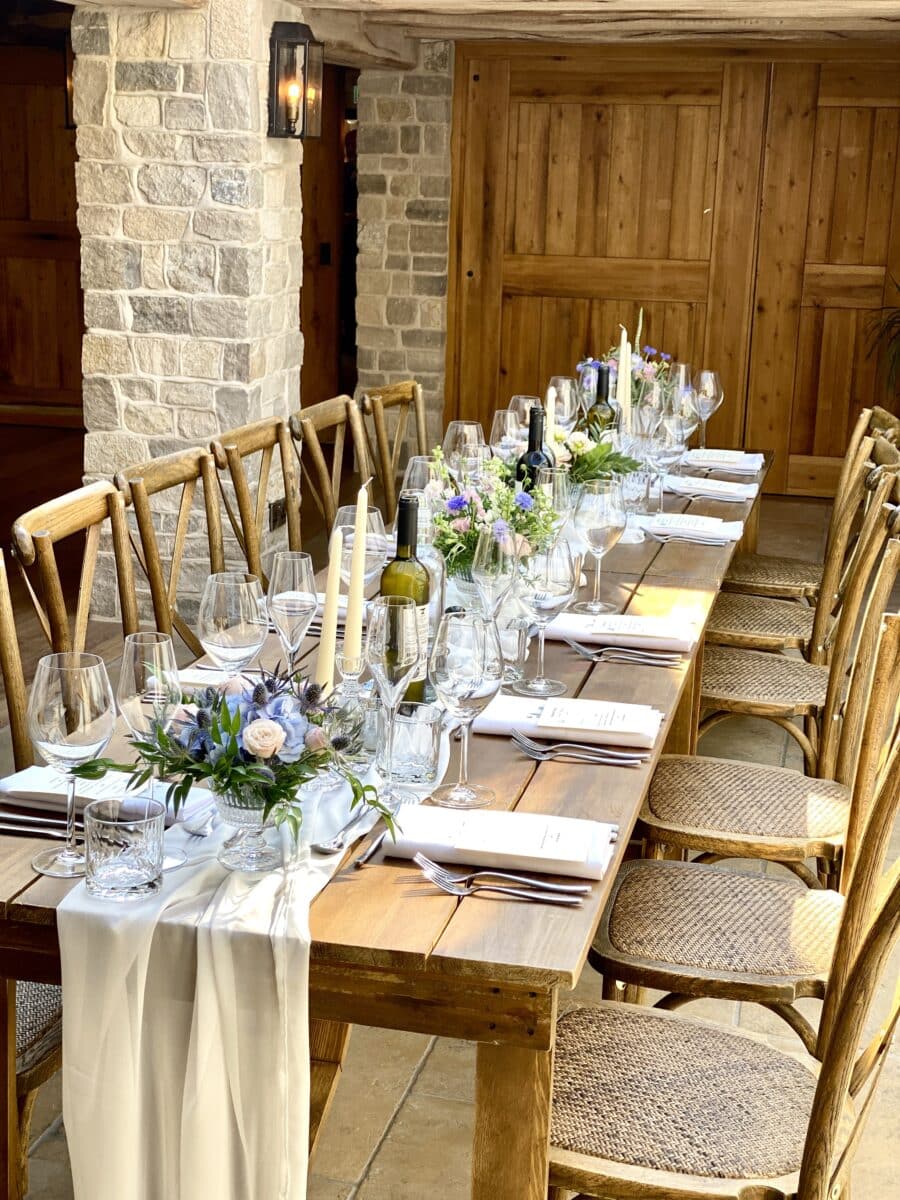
<point x="424" y="645"/>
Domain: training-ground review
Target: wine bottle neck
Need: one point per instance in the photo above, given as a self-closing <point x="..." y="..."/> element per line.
<point x="602" y="382"/>
<point x="536" y="429"/>
<point x="407" y="532"/>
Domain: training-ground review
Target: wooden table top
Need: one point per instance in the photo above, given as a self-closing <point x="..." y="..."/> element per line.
<point x="386" y="916"/>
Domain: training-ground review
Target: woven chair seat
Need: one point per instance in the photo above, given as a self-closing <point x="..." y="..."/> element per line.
<point x="646" y="1088"/>
<point x="759" y="622"/>
<point x="38" y="1022"/>
<point x="713" y="919"/>
<point x="768" y="575"/>
<point x="747" y="680"/>
<point x="728" y="797"/>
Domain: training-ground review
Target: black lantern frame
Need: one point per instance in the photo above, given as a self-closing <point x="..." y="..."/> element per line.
<point x="296" y="70"/>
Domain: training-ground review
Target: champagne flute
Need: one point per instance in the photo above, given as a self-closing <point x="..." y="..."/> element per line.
<point x="232" y="623"/>
<point x="494" y="567"/>
<point x="556" y="484"/>
<point x="393" y="651"/>
<point x="466" y="670"/>
<point x="71" y="717"/>
<point x="546" y="584"/>
<point x="376" y="541"/>
<point x="708" y="389"/>
<point x="567" y="401"/>
<point x="292" y="599"/>
<point x="600" y="519"/>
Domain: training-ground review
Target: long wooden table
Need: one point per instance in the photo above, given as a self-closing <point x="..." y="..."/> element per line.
<point x="392" y="952"/>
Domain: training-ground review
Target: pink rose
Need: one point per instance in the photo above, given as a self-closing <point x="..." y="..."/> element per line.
<point x="315" y="738"/>
<point x="263" y="738"/>
<point x="460" y="525"/>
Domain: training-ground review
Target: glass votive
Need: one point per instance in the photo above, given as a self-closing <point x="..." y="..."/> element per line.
<point x="417" y="743"/>
<point x="124" y="847"/>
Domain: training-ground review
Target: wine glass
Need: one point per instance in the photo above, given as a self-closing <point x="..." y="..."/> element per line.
<point x="421" y="470"/>
<point x="376" y="541"/>
<point x="546" y="584"/>
<point x="521" y="406"/>
<point x="708" y="390"/>
<point x="494" y="568"/>
<point x="292" y="599"/>
<point x="667" y="449"/>
<point x="459" y="442"/>
<point x="466" y="669"/>
<point x="508" y="438"/>
<point x="682" y="398"/>
<point x="470" y="463"/>
<point x="565" y="390"/>
<point x="232" y="624"/>
<point x="556" y="484"/>
<point x="393" y="651"/>
<point x="600" y="519"/>
<point x="647" y="411"/>
<point x="71" y="717"/>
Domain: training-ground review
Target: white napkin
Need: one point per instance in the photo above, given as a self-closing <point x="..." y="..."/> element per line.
<point x="511" y="840"/>
<point x="712" y="489"/>
<point x="342" y="606"/>
<point x="595" y="722"/>
<point x="739" y="462"/>
<point x="44" y="789"/>
<point x="614" y="629"/>
<point x="690" y="527"/>
<point x="202" y="677"/>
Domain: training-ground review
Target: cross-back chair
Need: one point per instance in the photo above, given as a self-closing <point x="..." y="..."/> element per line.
<point x="232" y="452"/>
<point x="140" y="484"/>
<point x="403" y="399"/>
<point x="35" y="537"/>
<point x="307" y="427"/>
<point x="698" y="930"/>
<point x="648" y="1103"/>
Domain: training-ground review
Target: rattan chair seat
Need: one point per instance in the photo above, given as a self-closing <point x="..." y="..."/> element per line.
<point x="38" y="1022"/>
<point x="745" y="799"/>
<point x="711" y="918"/>
<point x="769" y="575"/>
<point x="646" y="1088"/>
<point x="759" y="622"/>
<point x="753" y="680"/>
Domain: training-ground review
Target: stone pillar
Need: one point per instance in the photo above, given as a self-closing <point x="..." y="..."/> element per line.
<point x="404" y="208"/>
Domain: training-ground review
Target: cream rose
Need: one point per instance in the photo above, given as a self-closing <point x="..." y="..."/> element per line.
<point x="263" y="738"/>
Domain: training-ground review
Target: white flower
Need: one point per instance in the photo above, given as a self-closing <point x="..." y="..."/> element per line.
<point x="559" y="435"/>
<point x="562" y="454"/>
<point x="263" y="738"/>
<point x="579" y="443"/>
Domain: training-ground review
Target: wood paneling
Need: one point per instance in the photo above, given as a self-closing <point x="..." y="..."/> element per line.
<point x="630" y="278"/>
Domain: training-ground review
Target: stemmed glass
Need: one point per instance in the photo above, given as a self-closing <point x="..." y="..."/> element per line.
<point x="508" y="437"/>
<point x="708" y="389"/>
<point x="647" y="412"/>
<point x="459" y="443"/>
<point x="521" y="406"/>
<point x="421" y="470"/>
<point x="148" y="695"/>
<point x="292" y="599"/>
<point x="600" y="519"/>
<point x="682" y="398"/>
<point x="494" y="569"/>
<point x="567" y="401"/>
<point x="546" y="584"/>
<point x="232" y="623"/>
<point x="376" y="541"/>
<point x="466" y="669"/>
<point x="393" y="652"/>
<point x="556" y="484"/>
<point x="667" y="450"/>
<point x="71" y="717"/>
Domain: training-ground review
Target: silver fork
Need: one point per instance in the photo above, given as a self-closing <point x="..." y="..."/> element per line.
<point x="645" y="658"/>
<point x="434" y="870"/>
<point x="529" y="893"/>
<point x="602" y="752"/>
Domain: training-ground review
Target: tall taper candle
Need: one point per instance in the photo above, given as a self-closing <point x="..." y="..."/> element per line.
<point x="324" y="675"/>
<point x="623" y="381"/>
<point x="550" y="423"/>
<point x="356" y="590"/>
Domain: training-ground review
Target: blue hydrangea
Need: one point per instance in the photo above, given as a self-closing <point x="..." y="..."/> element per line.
<point x="524" y="501"/>
<point x="456" y="504"/>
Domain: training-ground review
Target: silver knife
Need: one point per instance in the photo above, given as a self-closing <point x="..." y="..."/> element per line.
<point x="373" y="849"/>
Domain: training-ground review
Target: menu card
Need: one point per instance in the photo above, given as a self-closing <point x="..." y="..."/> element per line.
<point x="714" y="489"/>
<point x="507" y="840"/>
<point x="617" y="629"/>
<point x="595" y="722"/>
<point x="692" y="527"/>
<point x="740" y="462"/>
<point x="40" y="787"/>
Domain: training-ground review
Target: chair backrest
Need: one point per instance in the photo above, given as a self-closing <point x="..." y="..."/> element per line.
<point x="35" y="536"/>
<point x="13" y="676"/>
<point x="329" y="416"/>
<point x="233" y="452"/>
<point x="158" y="477"/>
<point x="404" y="397"/>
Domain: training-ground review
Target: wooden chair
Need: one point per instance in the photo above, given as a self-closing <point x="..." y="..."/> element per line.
<point x="648" y="1103"/>
<point x="35" y="1007"/>
<point x="35" y="535"/>
<point x="754" y="683"/>
<point x="700" y="930"/>
<point x="231" y="452"/>
<point x="728" y="809"/>
<point x="332" y="417"/>
<point x="139" y="484"/>
<point x="403" y="397"/>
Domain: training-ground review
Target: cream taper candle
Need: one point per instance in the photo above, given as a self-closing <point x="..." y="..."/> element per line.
<point x="356" y="590"/>
<point x="550" y="423"/>
<point x="324" y="674"/>
<point x="623" y="381"/>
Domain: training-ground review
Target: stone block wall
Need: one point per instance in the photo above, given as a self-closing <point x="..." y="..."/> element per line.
<point x="404" y="210"/>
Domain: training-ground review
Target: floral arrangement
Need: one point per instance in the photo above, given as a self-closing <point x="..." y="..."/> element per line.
<point x="588" y="458"/>
<point x="648" y="365"/>
<point x="257" y="740"/>
<point x="496" y="503"/>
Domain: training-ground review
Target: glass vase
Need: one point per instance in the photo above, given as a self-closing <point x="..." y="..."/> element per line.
<point x="250" y="852"/>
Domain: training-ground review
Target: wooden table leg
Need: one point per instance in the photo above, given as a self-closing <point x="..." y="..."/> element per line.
<point x="327" y="1049"/>
<point x="512" y="1123"/>
<point x="681" y="737"/>
<point x="750" y="537"/>
<point x="9" y="1145"/>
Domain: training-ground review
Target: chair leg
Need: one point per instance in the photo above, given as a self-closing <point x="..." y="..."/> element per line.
<point x="26" y="1108"/>
<point x="610" y="989"/>
<point x="797" y="1022"/>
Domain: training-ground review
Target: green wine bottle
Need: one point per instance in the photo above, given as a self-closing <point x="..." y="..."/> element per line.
<point x="601" y="414"/>
<point x="405" y="575"/>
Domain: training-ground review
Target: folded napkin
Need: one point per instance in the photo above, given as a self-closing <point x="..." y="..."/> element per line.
<point x="342" y="606"/>
<point x="511" y="840"/>
<point x="690" y="527"/>
<point x="739" y="462"/>
<point x="594" y="722"/>
<point x="614" y="629"/>
<point x="713" y="489"/>
<point x="44" y="789"/>
<point x="201" y="677"/>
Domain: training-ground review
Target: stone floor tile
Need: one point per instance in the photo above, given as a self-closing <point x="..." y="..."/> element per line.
<point x="320" y="1188"/>
<point x="427" y="1153"/>
<point x="52" y="1147"/>
<point x="449" y="1071"/>
<point x="746" y="738"/>
<point x="49" y="1180"/>
<point x="48" y="1105"/>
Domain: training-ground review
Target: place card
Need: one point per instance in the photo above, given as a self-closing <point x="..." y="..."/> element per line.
<point x="617" y="629"/>
<point x="713" y="489"/>
<point x="691" y="527"/>
<point x="594" y="722"/>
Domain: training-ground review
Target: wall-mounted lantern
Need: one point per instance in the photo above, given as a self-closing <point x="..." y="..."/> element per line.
<point x="296" y="68"/>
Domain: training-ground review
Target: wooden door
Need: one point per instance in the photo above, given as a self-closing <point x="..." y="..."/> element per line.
<point x="40" y="297"/>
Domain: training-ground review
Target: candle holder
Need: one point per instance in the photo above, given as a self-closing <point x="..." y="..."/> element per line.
<point x="350" y="668"/>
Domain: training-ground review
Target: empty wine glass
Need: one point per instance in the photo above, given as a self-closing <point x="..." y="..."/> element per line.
<point x="421" y="470"/>
<point x="682" y="398"/>
<point x="494" y="568"/>
<point x="556" y="484"/>
<point x="508" y="437"/>
<point x="292" y="599"/>
<point x="393" y="651"/>
<point x="459" y="442"/>
<point x="521" y="406"/>
<point x="471" y="462"/>
<point x="600" y="520"/>
<point x="546" y="583"/>
<point x="232" y="624"/>
<point x="667" y="450"/>
<point x="708" y="390"/>
<point x="565" y="390"/>
<point x="647" y="411"/>
<point x="376" y="541"/>
<point x="466" y="670"/>
<point x="71" y="717"/>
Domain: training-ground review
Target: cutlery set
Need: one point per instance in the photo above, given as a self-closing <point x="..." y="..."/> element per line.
<point x="697" y="539"/>
<point x="518" y="887"/>
<point x="578" y="752"/>
<point x="627" y="654"/>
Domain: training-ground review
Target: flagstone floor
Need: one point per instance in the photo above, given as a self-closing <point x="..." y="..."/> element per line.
<point x="401" y="1124"/>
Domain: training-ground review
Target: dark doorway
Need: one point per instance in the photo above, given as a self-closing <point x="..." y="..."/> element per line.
<point x="328" y="295"/>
